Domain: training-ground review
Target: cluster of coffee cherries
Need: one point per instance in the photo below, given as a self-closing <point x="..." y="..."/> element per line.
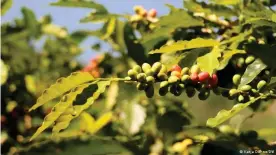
<point x="143" y="18"/>
<point x="249" y="91"/>
<point x="241" y="62"/>
<point x="176" y="80"/>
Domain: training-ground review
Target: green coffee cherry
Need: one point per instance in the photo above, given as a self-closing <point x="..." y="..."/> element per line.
<point x="216" y="91"/>
<point x="261" y="84"/>
<point x="204" y="94"/>
<point x="149" y="91"/>
<point x="176" y="90"/>
<point x="164" y="84"/>
<point x="245" y="88"/>
<point x="150" y="73"/>
<point x="190" y="91"/>
<point x="240" y="98"/>
<point x="233" y="92"/>
<point x="240" y="62"/>
<point x="175" y="73"/>
<point x="127" y="78"/>
<point x="162" y="76"/>
<point x="181" y="85"/>
<point x="137" y="68"/>
<point x="132" y="74"/>
<point x="226" y="129"/>
<point x="184" y="78"/>
<point x="163" y="91"/>
<point x="156" y="67"/>
<point x="141" y="86"/>
<point x="185" y="71"/>
<point x="141" y="77"/>
<point x="249" y="59"/>
<point x="195" y="69"/>
<point x="146" y="67"/>
<point x="254" y="91"/>
<point x="173" y="79"/>
<point x="150" y="79"/>
<point x="163" y="69"/>
<point x="236" y="79"/>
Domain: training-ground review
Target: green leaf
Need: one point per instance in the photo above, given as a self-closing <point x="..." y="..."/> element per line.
<point x="61" y="86"/>
<point x="185" y="45"/>
<point x="5" y="6"/>
<point x="65" y="102"/>
<point x="82" y="4"/>
<point x="112" y="94"/>
<point x="135" y="117"/>
<point x="226" y="2"/>
<point x="260" y="22"/>
<point x="209" y="62"/>
<point x="118" y="38"/>
<point x="30" y="21"/>
<point x="98" y="17"/>
<point x="227" y="55"/>
<point x="265" y="52"/>
<point x="218" y="10"/>
<point x="100" y="122"/>
<point x="272" y="83"/>
<point x="224" y="115"/>
<point x="111" y="24"/>
<point x="30" y="83"/>
<point x="251" y="72"/>
<point x="4" y="72"/>
<point x="134" y="49"/>
<point x="54" y="30"/>
<point x="99" y="88"/>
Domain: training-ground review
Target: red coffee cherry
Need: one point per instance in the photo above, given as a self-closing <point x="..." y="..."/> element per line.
<point x="152" y="13"/>
<point x="176" y="68"/>
<point x="213" y="81"/>
<point x="194" y="77"/>
<point x="203" y="76"/>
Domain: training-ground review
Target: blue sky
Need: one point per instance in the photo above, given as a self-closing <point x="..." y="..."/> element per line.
<point x="69" y="17"/>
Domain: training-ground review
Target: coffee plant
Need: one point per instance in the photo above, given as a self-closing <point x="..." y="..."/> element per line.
<point x="138" y="102"/>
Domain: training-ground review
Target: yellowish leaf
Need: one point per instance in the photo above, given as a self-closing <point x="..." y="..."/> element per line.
<point x="209" y="62"/>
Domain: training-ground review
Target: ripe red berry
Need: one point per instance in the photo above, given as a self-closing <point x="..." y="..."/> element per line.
<point x="152" y="13"/>
<point x="203" y="76"/>
<point x="213" y="81"/>
<point x="176" y="68"/>
<point x="194" y="77"/>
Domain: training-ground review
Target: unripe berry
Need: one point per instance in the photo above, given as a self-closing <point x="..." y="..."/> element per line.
<point x="150" y="73"/>
<point x="127" y="78"/>
<point x="216" y="91"/>
<point x="137" y="68"/>
<point x="236" y="79"/>
<point x="132" y="74"/>
<point x="141" y="86"/>
<point x="245" y="88"/>
<point x="163" y="91"/>
<point x="194" y="77"/>
<point x="156" y="67"/>
<point x="149" y="91"/>
<point x="137" y="9"/>
<point x="249" y="59"/>
<point x="195" y="69"/>
<point x="150" y="79"/>
<point x="146" y="67"/>
<point x="173" y="79"/>
<point x="240" y="62"/>
<point x="141" y="77"/>
<point x="152" y="13"/>
<point x="190" y="91"/>
<point x="226" y="129"/>
<point x="164" y="84"/>
<point x="240" y="98"/>
<point x="163" y="69"/>
<point x="261" y="84"/>
<point x="184" y="78"/>
<point x="176" y="68"/>
<point x="213" y="81"/>
<point x="233" y="92"/>
<point x="185" y="71"/>
<point x="176" y="73"/>
<point x="203" y="76"/>
<point x="162" y="76"/>
<point x="204" y="94"/>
